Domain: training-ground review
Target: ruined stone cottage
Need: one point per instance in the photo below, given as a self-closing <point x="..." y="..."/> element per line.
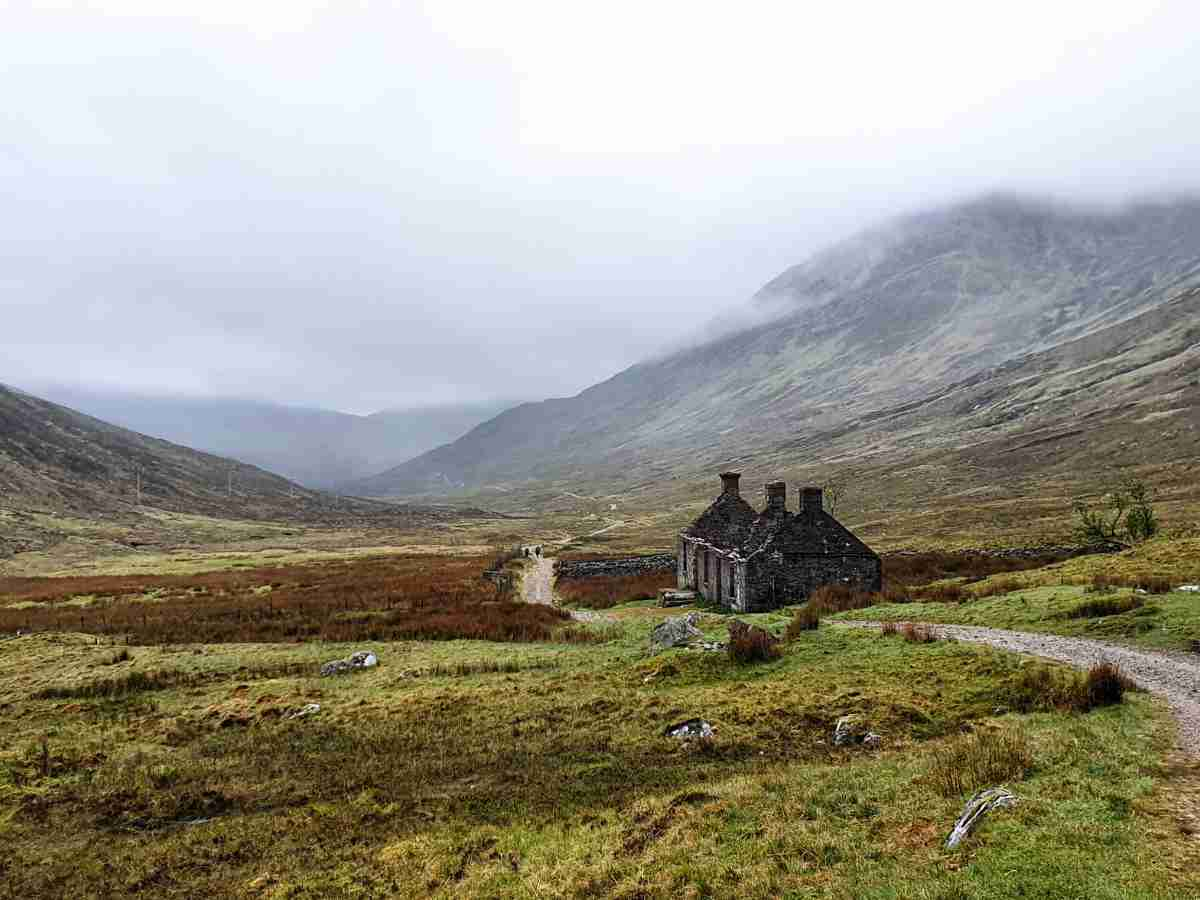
<point x="750" y="561"/>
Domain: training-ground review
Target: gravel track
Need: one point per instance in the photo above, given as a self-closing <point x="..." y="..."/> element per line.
<point x="1173" y="676"/>
<point x="537" y="586"/>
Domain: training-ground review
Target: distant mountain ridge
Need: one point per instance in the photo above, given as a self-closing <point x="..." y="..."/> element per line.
<point x="54" y="460"/>
<point x="865" y="329"/>
<point x="318" y="448"/>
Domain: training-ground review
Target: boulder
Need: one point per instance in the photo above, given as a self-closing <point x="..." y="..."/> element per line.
<point x="363" y="659"/>
<point x="675" y="632"/>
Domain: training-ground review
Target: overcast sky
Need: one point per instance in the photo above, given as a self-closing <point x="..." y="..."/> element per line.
<point x="363" y="205"/>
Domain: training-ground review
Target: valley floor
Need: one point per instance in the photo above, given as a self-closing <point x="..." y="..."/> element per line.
<point x="539" y="765"/>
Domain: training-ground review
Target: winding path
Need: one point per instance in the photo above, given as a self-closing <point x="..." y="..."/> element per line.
<point x="537" y="586"/>
<point x="1173" y="676"/>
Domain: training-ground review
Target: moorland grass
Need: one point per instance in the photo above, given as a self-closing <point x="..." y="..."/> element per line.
<point x="559" y="781"/>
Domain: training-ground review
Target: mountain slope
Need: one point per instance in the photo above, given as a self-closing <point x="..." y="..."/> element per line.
<point x="892" y="318"/>
<point x="314" y="447"/>
<point x="54" y="460"/>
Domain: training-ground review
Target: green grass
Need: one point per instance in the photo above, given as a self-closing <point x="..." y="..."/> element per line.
<point x="554" y="779"/>
<point x="1053" y="598"/>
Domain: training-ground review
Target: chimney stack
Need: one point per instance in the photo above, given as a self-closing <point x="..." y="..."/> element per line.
<point x="812" y="499"/>
<point x="776" y="495"/>
<point x="729" y="483"/>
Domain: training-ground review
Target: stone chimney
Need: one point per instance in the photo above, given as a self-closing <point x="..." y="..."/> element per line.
<point x="812" y="499"/>
<point x="776" y="496"/>
<point x="729" y="483"/>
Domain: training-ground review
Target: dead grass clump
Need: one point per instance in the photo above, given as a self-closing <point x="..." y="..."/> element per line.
<point x="834" y="598"/>
<point x="1105" y="685"/>
<point x="803" y="619"/>
<point x="972" y="761"/>
<point x="917" y="633"/>
<point x="943" y="593"/>
<point x="606" y="591"/>
<point x="1041" y="687"/>
<point x="164" y="679"/>
<point x="1104" y="606"/>
<point x="752" y="645"/>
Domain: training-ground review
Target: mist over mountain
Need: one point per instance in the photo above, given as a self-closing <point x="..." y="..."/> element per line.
<point x="314" y="447"/>
<point x="893" y="317"/>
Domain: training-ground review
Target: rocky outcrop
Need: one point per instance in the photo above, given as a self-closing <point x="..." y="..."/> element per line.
<point x="675" y="632"/>
<point x="363" y="659"/>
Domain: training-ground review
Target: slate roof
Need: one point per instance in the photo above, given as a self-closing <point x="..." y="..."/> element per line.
<point x="731" y="523"/>
<point x="725" y="524"/>
<point x="806" y="533"/>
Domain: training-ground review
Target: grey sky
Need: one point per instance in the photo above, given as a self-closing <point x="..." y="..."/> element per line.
<point x="369" y="205"/>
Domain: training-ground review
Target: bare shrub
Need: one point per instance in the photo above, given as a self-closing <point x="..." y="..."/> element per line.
<point x="917" y="633"/>
<point x="752" y="645"/>
<point x="969" y="762"/>
<point x="806" y="618"/>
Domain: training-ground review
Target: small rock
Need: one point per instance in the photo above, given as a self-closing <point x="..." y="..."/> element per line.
<point x="850" y="731"/>
<point x="692" y="728"/>
<point x="1190" y="588"/>
<point x="363" y="659"/>
<point x="675" y="632"/>
<point x="309" y="709"/>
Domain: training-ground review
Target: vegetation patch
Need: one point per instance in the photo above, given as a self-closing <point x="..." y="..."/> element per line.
<point x="607" y="591"/>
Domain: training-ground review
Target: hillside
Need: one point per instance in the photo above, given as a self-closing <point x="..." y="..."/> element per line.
<point x="314" y="447"/>
<point x="1002" y="319"/>
<point x="56" y="460"/>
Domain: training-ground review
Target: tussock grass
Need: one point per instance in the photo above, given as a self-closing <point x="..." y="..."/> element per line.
<point x="917" y="633"/>
<point x="805" y="618"/>
<point x="987" y="758"/>
<point x="1044" y="687"/>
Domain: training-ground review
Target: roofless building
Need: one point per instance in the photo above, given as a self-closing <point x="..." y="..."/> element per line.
<point x="749" y="561"/>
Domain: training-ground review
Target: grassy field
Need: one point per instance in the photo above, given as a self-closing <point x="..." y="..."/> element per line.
<point x="541" y="768"/>
<point x="1121" y="597"/>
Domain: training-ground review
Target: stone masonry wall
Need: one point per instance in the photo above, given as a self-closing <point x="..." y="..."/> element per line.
<point x="773" y="581"/>
<point x="629" y="565"/>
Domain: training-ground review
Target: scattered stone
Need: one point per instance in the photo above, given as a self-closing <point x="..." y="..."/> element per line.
<point x="692" y="728"/>
<point x="977" y="807"/>
<point x="363" y="659"/>
<point x="850" y="731"/>
<point x="675" y="632"/>
<point x="626" y="565"/>
<point x="710" y="646"/>
<point x="1190" y="588"/>
<point x="309" y="709"/>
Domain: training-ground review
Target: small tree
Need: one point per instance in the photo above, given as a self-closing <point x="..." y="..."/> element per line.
<point x="1125" y="513"/>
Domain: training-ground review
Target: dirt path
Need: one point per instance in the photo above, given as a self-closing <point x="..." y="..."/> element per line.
<point x="537" y="586"/>
<point x="1173" y="676"/>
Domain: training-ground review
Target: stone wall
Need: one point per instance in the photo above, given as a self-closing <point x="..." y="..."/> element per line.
<point x="627" y="565"/>
<point x="773" y="580"/>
